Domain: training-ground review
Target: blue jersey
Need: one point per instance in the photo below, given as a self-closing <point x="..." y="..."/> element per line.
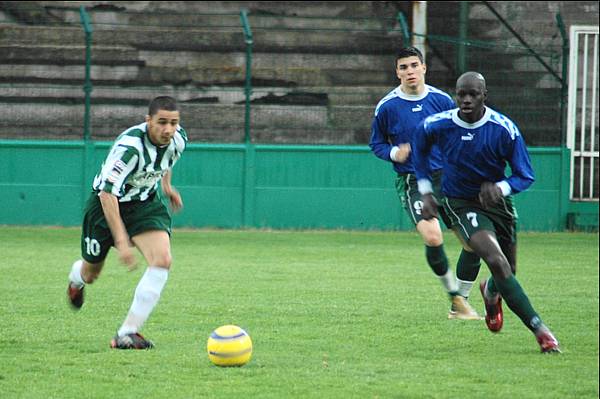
<point x="397" y="116"/>
<point x="473" y="153"/>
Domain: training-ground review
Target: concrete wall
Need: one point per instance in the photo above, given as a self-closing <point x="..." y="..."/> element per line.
<point x="264" y="186"/>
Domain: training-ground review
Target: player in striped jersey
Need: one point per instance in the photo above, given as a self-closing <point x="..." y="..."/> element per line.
<point x="396" y="117"/>
<point x="128" y="207"/>
<point x="476" y="143"/>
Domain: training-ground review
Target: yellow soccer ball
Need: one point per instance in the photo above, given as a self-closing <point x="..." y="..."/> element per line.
<point x="229" y="346"/>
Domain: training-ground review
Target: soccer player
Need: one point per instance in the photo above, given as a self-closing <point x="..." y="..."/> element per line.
<point x="396" y="117"/>
<point x="476" y="143"/>
<point x="126" y="208"/>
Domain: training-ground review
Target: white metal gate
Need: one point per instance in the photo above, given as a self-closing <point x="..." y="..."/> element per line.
<point x="582" y="119"/>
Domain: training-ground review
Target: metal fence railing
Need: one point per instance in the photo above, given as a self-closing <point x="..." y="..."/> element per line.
<point x="527" y="84"/>
<point x="583" y="121"/>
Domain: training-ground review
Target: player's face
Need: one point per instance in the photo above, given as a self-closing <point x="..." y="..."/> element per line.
<point x="470" y="98"/>
<point x="162" y="126"/>
<point x="411" y="72"/>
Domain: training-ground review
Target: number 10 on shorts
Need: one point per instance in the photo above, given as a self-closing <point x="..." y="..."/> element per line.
<point x="92" y="246"/>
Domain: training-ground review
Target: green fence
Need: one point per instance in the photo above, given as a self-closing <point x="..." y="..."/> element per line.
<point x="289" y="187"/>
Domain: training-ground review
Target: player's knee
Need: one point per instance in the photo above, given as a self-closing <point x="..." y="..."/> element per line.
<point x="430" y="232"/>
<point x="433" y="238"/>
<point x="163" y="260"/>
<point x="499" y="265"/>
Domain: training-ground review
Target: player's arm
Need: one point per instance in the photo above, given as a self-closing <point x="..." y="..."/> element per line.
<point x="380" y="143"/>
<point x="110" y="207"/>
<point x="522" y="176"/>
<point x="119" y="165"/>
<point x="423" y="139"/>
<point x="171" y="192"/>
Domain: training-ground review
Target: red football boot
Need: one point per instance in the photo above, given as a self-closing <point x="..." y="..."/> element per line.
<point x="548" y="343"/>
<point x="493" y="310"/>
<point x="75" y="296"/>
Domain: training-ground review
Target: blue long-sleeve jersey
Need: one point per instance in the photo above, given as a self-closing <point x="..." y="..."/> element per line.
<point x="398" y="115"/>
<point x="473" y="153"/>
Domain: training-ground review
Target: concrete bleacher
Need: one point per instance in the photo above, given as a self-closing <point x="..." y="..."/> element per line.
<point x="305" y="76"/>
<point x="319" y="68"/>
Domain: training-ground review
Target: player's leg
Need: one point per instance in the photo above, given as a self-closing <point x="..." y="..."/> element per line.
<point x="503" y="223"/>
<point x="435" y="254"/>
<point x="82" y="273"/>
<point x="96" y="241"/>
<point x="467" y="267"/>
<point x="509" y="249"/>
<point x="149" y="226"/>
<point x="431" y="233"/>
<point x="155" y="246"/>
<point x="485" y="244"/>
<point x="467" y="270"/>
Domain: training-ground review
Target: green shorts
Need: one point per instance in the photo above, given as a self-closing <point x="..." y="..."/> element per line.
<point x="470" y="217"/>
<point x="408" y="192"/>
<point x="138" y="217"/>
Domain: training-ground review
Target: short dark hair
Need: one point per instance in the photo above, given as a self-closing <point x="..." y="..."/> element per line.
<point x="163" y="102"/>
<point x="406" y="52"/>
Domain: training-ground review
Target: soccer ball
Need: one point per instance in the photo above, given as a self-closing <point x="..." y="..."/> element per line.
<point x="229" y="346"/>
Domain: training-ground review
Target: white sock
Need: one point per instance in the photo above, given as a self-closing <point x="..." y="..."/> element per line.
<point x="449" y="281"/>
<point x="75" y="275"/>
<point x="145" y="299"/>
<point x="464" y="287"/>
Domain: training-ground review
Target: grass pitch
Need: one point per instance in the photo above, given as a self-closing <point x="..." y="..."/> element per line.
<point x="331" y="315"/>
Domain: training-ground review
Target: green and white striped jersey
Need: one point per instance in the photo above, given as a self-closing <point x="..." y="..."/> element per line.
<point x="135" y="166"/>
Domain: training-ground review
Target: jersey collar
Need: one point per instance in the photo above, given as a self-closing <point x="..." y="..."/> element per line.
<point x="411" y="97"/>
<point x="486" y="117"/>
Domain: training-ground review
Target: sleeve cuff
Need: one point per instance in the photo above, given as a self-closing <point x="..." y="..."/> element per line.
<point x="424" y="186"/>
<point x="505" y="187"/>
<point x="393" y="152"/>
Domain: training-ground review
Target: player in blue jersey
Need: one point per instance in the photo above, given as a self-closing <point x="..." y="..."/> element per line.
<point x="396" y="118"/>
<point x="476" y="143"/>
<point x="127" y="207"/>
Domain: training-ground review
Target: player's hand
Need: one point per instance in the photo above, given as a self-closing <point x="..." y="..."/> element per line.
<point x="127" y="256"/>
<point x="430" y="207"/>
<point x="401" y="155"/>
<point x="489" y="194"/>
<point x="175" y="199"/>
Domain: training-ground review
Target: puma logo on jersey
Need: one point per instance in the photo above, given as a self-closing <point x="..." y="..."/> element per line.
<point x="468" y="137"/>
<point x="418" y="108"/>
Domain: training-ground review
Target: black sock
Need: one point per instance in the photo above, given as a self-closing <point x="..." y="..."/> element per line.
<point x="517" y="301"/>
<point x="468" y="265"/>
<point x="437" y="260"/>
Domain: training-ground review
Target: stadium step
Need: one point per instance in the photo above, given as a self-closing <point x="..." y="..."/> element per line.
<point x="205" y="122"/>
<point x="67" y="55"/>
<point x="269" y="15"/>
<point x="217" y="39"/>
<point x="72" y="93"/>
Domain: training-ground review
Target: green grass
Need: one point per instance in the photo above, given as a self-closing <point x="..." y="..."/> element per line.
<point x="331" y="315"/>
